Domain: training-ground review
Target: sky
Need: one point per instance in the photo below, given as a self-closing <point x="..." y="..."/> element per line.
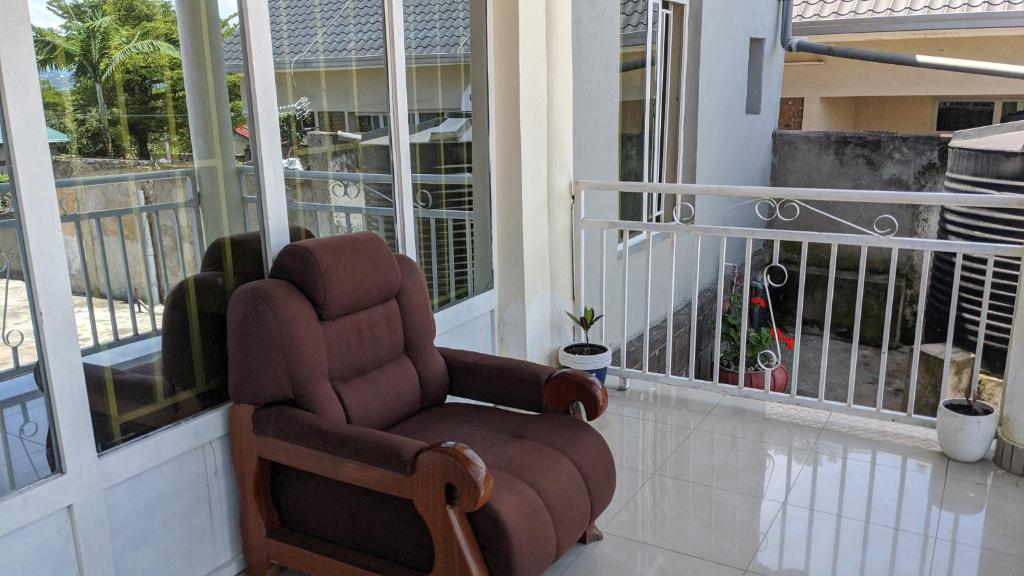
<point x="42" y="17"/>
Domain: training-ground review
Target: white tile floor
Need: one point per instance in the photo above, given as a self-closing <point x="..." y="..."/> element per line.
<point x="715" y="485"/>
<point x="710" y="485"/>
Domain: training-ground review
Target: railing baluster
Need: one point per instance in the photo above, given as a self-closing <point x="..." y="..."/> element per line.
<point x="198" y="243"/>
<point x="161" y="254"/>
<point x="647" y="301"/>
<point x="954" y="302"/>
<point x="604" y="283"/>
<point x="799" y="328"/>
<point x="855" y="344"/>
<point x="745" y="315"/>
<point x="143" y="223"/>
<point x="88" y="282"/>
<point x="106" y="278"/>
<point x="979" y="348"/>
<point x="450" y="225"/>
<point x="127" y="277"/>
<point x="625" y="299"/>
<point x="828" y="321"/>
<point x="887" y="328"/>
<point x="723" y="244"/>
<point x="181" y="244"/>
<point x="470" y="257"/>
<point x="435" y="274"/>
<point x="694" y="306"/>
<point x="922" y="296"/>
<point x="670" y="319"/>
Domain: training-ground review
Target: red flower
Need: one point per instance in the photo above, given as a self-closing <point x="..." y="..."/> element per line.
<point x="778" y="335"/>
<point x="758" y="301"/>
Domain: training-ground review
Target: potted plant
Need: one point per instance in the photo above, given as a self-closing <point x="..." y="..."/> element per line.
<point x="764" y="347"/>
<point x="593" y="358"/>
<point x="966" y="427"/>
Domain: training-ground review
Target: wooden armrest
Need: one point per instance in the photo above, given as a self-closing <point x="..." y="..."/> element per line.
<point x="447" y="481"/>
<point x="565" y="388"/>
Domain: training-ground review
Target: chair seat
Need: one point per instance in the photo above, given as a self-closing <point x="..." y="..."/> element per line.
<point x="552" y="474"/>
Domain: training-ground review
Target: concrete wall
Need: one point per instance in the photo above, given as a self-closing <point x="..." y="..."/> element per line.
<point x="844" y="94"/>
<point x="865" y="161"/>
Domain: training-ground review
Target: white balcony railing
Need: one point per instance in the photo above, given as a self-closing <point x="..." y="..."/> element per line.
<point x="794" y="247"/>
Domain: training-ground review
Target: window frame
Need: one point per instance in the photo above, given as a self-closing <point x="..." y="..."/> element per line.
<point x="86" y="475"/>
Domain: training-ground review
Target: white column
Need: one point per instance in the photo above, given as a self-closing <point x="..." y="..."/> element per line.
<point x="209" y="118"/>
<point x="532" y="130"/>
<point x="1010" y="447"/>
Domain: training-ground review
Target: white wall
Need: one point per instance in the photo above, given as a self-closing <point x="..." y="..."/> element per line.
<point x="724" y="145"/>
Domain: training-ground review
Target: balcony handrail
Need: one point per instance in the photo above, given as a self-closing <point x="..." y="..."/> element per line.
<point x="369" y="177"/>
<point x="974" y="273"/>
<point x="1014" y="201"/>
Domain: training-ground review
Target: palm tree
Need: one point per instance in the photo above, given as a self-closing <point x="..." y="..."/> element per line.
<point x="94" y="44"/>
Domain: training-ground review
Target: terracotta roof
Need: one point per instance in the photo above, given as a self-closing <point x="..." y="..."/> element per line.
<point x="315" y="33"/>
<point x="817" y="10"/>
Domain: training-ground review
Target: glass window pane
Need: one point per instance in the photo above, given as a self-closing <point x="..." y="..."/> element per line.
<point x="332" y="87"/>
<point x="955" y="116"/>
<point x="1012" y="111"/>
<point x="27" y="448"/>
<point x="447" y="91"/>
<point x="154" y="178"/>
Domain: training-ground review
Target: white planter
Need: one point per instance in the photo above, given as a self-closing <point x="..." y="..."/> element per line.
<point x="593" y="363"/>
<point x="962" y="437"/>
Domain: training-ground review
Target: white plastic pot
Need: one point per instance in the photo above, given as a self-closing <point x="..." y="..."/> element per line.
<point x="596" y="364"/>
<point x="962" y="437"/>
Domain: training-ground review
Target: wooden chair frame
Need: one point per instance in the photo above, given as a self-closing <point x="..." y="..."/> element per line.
<point x="448" y="482"/>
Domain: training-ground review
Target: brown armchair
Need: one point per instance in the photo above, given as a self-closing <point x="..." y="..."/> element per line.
<point x="350" y="461"/>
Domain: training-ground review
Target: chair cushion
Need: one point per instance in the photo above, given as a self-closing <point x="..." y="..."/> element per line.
<point x="552" y="475"/>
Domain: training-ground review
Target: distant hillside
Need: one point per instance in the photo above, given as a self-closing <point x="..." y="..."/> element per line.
<point x="59" y="79"/>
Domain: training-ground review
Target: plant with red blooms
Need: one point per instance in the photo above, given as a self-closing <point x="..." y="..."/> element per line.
<point x="758" y="339"/>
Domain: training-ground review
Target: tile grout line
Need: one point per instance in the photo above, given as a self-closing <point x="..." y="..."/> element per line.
<point x="642" y="543"/>
<point x="785" y="501"/>
<point x="938" y="524"/>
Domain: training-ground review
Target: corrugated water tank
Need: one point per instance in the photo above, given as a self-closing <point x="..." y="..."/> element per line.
<point x="988" y="160"/>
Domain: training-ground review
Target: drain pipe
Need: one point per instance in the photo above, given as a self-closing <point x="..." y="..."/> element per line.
<point x="791" y="44"/>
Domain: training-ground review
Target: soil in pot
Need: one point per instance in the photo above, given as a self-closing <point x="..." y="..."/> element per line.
<point x="964" y="408"/>
<point x="585" y="349"/>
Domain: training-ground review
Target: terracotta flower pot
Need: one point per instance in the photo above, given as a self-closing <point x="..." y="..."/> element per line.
<point x="755" y="379"/>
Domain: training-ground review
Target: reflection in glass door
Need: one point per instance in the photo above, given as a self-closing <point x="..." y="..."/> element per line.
<point x="330" y="67"/>
<point x="153" y="165"/>
<point x="446" y="78"/>
<point x="27" y="450"/>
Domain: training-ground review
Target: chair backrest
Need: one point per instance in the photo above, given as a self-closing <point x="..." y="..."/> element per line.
<point x="194" y="347"/>
<point x="343" y="328"/>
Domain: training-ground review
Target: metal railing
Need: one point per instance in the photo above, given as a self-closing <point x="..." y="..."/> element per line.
<point x="349" y="202"/>
<point x="126" y="259"/>
<point x="122" y="288"/>
<point x="775" y="247"/>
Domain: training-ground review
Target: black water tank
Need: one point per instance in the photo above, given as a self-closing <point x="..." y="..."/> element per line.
<point x="988" y="160"/>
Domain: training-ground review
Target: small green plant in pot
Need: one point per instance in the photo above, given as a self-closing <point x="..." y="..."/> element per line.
<point x="763" y="352"/>
<point x="593" y="358"/>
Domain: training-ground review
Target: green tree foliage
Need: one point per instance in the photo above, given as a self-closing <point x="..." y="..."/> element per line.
<point x="124" y="58"/>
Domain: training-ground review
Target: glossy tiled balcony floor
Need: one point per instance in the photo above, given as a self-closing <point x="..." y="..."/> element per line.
<point x="715" y="485"/>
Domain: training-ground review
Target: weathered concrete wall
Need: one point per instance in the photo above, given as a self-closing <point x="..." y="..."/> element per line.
<point x="862" y="161"/>
<point x="113" y="196"/>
